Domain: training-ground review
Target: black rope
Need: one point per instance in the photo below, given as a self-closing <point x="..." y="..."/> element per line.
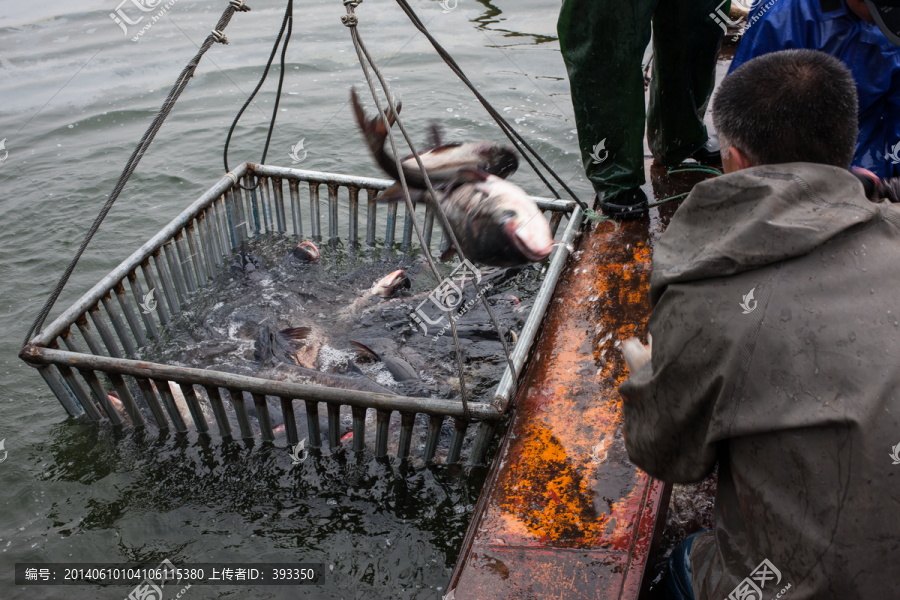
<point x="169" y="103"/>
<point x="286" y="23"/>
<point x="511" y="133"/>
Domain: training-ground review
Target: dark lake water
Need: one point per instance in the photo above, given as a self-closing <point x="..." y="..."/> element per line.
<point x="76" y="94"/>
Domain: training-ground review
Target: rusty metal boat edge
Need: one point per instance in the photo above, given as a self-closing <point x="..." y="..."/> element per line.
<point x="537" y="529"/>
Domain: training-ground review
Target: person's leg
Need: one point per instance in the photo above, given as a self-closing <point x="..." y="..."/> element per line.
<point x="602" y="43"/>
<point x="686" y="42"/>
<point x="679" y="579"/>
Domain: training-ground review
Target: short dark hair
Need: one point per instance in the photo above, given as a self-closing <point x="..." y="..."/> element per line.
<point x="789" y="106"/>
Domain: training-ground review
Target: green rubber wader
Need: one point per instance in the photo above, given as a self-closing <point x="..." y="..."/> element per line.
<point x="603" y="43"/>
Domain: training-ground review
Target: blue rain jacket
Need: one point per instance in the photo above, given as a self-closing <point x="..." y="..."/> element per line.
<point x="829" y="26"/>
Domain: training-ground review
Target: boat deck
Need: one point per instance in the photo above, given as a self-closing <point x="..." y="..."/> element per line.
<point x="564" y="514"/>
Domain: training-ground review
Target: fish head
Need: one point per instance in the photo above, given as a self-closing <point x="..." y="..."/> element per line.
<point x="518" y="218"/>
<point x="388" y="285"/>
<point x="306" y="251"/>
<point x="501" y="160"/>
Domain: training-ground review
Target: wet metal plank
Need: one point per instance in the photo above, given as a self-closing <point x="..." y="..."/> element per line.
<point x="537" y="529"/>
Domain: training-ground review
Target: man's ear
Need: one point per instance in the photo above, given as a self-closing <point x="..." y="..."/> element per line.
<point x="740" y="159"/>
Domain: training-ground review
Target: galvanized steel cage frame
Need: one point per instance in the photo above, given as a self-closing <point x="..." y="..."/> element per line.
<point x="194" y="247"/>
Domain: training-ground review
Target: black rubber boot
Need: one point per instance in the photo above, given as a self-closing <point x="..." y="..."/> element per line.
<point x="710" y="153"/>
<point x="630" y="204"/>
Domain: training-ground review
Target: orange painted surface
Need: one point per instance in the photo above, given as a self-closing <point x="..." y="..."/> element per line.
<point x="564" y="514"/>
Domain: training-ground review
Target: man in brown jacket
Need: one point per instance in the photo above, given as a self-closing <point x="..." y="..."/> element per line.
<point x="776" y="350"/>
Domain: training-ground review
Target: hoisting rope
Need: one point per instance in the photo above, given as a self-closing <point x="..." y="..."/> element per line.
<point x="286" y="23"/>
<point x="511" y="133"/>
<point x="351" y="21"/>
<point x="217" y="35"/>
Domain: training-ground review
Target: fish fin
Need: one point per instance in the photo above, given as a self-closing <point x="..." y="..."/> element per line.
<point x="391" y="194"/>
<point x="355" y="371"/>
<point x="294" y="334"/>
<point x="472" y="175"/>
<point x="401" y="370"/>
<point x="364" y="350"/>
<point x="448" y="254"/>
<point x="434" y="135"/>
<point x="375" y="132"/>
<point x="291" y="340"/>
<point x="395" y="194"/>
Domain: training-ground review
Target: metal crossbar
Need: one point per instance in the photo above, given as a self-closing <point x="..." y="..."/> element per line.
<point x="104" y="332"/>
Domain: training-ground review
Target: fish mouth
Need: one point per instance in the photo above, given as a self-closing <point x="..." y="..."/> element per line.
<point x="306" y="251"/>
<point x="391" y="283"/>
<point x="532" y="254"/>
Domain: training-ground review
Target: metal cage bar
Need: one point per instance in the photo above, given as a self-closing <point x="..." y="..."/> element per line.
<point x="354" y="215"/>
<point x="371" y="216"/>
<point x="171" y="252"/>
<point x="278" y="197"/>
<point x="312" y="424"/>
<point x="130" y="316"/>
<point x="332" y="212"/>
<point x="184" y="263"/>
<point x="118" y="326"/>
<point x="314" y="214"/>
<point x="196" y="258"/>
<point x="296" y="218"/>
<point x="162" y="387"/>
<point x="147" y="316"/>
<point x="102" y="397"/>
<point x="215" y="399"/>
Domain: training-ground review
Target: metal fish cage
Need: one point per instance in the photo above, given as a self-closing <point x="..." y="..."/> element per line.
<point x="187" y="254"/>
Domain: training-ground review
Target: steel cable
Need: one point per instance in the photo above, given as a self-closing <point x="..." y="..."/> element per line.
<point x="169" y="103"/>
<point x="511" y="133"/>
<point x="286" y="23"/>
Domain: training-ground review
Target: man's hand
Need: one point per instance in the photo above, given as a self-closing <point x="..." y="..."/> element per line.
<point x="636" y="354"/>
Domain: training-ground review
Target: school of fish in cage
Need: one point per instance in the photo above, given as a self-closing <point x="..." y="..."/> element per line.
<point x="334" y="318"/>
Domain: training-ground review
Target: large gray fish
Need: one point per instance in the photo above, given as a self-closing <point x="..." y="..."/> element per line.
<point x="274" y="351"/>
<point x="496" y="222"/>
<point x="388" y="352"/>
<point x="442" y="161"/>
